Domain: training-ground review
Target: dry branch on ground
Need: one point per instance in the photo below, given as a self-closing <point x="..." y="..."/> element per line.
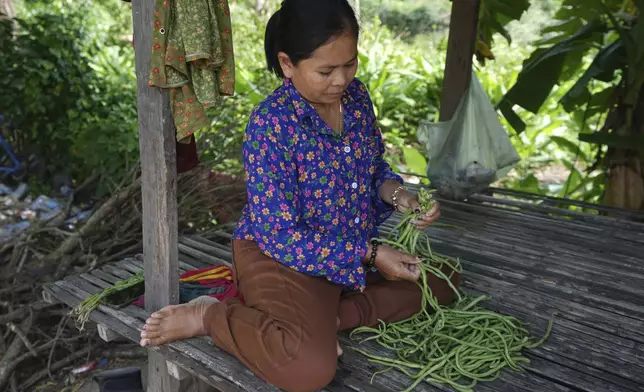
<point x="38" y="340"/>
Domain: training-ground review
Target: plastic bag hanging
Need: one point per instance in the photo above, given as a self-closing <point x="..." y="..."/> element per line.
<point x="471" y="150"/>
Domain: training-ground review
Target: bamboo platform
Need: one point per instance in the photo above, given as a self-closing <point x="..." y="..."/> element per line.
<point x="536" y="260"/>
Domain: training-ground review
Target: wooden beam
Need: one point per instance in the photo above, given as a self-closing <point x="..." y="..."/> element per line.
<point x="159" y="181"/>
<point x="176" y="371"/>
<point x="107" y="334"/>
<point x="7" y="9"/>
<point x="460" y="50"/>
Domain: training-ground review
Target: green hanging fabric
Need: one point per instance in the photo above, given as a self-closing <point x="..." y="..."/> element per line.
<point x="192" y="55"/>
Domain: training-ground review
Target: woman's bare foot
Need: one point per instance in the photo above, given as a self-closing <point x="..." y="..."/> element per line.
<point x="176" y="322"/>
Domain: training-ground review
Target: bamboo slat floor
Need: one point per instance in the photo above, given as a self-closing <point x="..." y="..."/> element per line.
<point x="537" y="262"/>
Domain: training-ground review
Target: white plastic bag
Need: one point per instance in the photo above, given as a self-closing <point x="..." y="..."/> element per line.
<point x="470" y="151"/>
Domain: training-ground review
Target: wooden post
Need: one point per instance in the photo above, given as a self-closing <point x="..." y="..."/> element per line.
<point x="159" y="182"/>
<point x="7" y="9"/>
<point x="460" y="50"/>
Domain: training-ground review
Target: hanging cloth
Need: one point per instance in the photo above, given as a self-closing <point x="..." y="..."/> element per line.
<point x="187" y="158"/>
<point x="192" y="56"/>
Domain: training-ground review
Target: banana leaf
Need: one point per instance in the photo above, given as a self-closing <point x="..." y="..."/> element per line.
<point x="628" y="142"/>
<point x="494" y="15"/>
<point x="543" y="70"/>
<point x="608" y="60"/>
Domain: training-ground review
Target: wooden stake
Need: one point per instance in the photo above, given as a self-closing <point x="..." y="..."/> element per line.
<point x="159" y="182"/>
<point x="460" y="50"/>
<point x="8" y="11"/>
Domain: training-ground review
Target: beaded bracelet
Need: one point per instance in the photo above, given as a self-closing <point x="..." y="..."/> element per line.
<point x="374" y="251"/>
<point x="394" y="197"/>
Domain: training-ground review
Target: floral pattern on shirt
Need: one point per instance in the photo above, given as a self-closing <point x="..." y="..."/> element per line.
<point x="313" y="200"/>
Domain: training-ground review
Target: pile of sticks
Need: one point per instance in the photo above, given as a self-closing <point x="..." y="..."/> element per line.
<point x="38" y="339"/>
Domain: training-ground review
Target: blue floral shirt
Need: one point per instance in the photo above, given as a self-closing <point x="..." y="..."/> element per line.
<point x="313" y="201"/>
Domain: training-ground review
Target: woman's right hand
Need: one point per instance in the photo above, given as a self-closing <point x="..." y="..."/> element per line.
<point x="396" y="265"/>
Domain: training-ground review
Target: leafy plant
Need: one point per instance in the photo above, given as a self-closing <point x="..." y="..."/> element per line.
<point x="69" y="89"/>
<point x="583" y="27"/>
<point x="494" y="15"/>
<point x="605" y="90"/>
<point x="221" y="143"/>
<point x="67" y="96"/>
<point x="410" y="23"/>
<point x="405" y="88"/>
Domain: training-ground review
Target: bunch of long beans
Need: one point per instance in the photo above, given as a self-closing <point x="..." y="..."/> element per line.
<point x="82" y="311"/>
<point x="407" y="238"/>
<point x="459" y="345"/>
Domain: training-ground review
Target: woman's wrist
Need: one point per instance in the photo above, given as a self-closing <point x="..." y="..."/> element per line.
<point x="372" y="251"/>
<point x="367" y="256"/>
<point x="387" y="189"/>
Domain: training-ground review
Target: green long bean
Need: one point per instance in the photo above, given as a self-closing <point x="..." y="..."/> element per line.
<point x="459" y="345"/>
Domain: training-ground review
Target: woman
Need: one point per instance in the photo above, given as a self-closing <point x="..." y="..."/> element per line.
<point x="318" y="187"/>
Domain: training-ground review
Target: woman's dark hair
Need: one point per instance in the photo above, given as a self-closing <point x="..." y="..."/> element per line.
<point x="302" y="26"/>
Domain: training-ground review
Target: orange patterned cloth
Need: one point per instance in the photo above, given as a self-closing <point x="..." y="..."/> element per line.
<point x="208" y="273"/>
<point x="192" y="55"/>
<point x="216" y="281"/>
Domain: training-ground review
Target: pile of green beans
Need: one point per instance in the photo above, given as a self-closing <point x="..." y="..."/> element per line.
<point x="459" y="345"/>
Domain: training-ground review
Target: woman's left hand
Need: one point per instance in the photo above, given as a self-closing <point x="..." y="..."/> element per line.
<point x="409" y="201"/>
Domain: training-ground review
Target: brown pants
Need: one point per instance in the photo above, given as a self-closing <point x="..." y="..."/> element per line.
<point x="286" y="330"/>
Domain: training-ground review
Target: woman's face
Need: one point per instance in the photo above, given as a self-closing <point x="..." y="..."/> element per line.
<point x="323" y="78"/>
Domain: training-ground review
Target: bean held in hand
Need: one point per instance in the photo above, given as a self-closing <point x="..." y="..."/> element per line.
<point x="396" y="265"/>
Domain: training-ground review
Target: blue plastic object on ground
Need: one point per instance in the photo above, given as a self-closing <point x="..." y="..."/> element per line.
<point x="9" y="162"/>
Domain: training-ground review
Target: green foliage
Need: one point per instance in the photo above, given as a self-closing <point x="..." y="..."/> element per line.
<point x="69" y="87"/>
<point x="410" y="18"/>
<point x="412" y="23"/>
<point x="494" y="16"/>
<point x="546" y="146"/>
<point x="404" y="84"/>
<point x="414" y="160"/>
<point x="545" y="68"/>
<point x="68" y="90"/>
<point x="591" y="61"/>
<point x="221" y="143"/>
<point x="404" y="87"/>
<point x="583" y="29"/>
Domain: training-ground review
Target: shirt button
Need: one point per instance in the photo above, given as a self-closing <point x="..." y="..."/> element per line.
<point x="354" y="185"/>
<point x="357" y="220"/>
<point x="347" y="149"/>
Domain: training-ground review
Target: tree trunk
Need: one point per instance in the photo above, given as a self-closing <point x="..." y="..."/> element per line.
<point x="625" y="182"/>
<point x="638" y="127"/>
